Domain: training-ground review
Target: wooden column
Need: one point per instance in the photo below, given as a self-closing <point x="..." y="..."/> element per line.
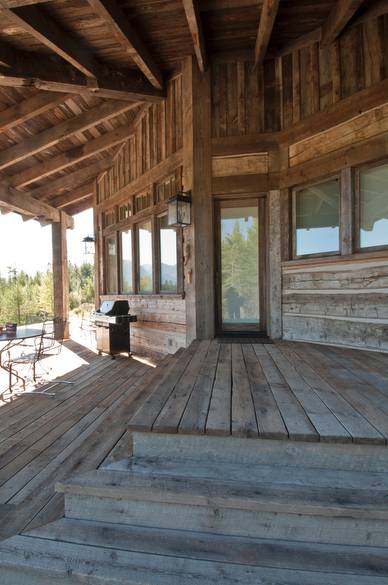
<point x="274" y="268"/>
<point x="198" y="239"/>
<point x="346" y="215"/>
<point x="61" y="279"/>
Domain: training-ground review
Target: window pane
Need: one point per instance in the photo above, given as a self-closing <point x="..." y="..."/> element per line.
<point x="317" y="218"/>
<point x="145" y="257"/>
<point x="126" y="261"/>
<point x="240" y="267"/>
<point x="374" y="207"/>
<point x="168" y="257"/>
<point x="111" y="265"/>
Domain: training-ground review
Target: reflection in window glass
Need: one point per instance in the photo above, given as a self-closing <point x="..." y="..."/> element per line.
<point x="145" y="257"/>
<point x="111" y="265"/>
<point x="317" y="214"/>
<point x="126" y="262"/>
<point x="374" y="207"/>
<point x="168" y="257"/>
<point x="240" y="267"/>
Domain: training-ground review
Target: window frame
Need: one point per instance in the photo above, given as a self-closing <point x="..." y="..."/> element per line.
<point x="294" y="192"/>
<point x="357" y="207"/>
<point x="111" y="236"/>
<point x="179" y="259"/>
<point x="120" y="260"/>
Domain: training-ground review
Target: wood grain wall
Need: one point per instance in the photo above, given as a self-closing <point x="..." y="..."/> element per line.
<point x="340" y="302"/>
<point x="292" y="87"/>
<point x="146" y="158"/>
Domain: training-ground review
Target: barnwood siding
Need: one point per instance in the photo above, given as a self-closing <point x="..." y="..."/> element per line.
<point x="161" y="322"/>
<point x="341" y="302"/>
<point x="292" y="87"/>
<point x="147" y="157"/>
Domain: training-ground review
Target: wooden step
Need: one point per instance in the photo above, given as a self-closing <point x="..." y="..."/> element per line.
<point x="242" y="508"/>
<point x="74" y="551"/>
<point x="256" y="451"/>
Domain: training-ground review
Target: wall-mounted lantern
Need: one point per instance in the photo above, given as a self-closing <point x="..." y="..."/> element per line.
<point x="179" y="209"/>
<point x="89" y="243"/>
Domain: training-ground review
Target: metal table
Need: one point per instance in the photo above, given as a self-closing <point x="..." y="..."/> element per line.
<point x="14" y="339"/>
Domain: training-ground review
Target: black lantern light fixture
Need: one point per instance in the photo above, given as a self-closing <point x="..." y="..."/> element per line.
<point x="89" y="243"/>
<point x="179" y="209"/>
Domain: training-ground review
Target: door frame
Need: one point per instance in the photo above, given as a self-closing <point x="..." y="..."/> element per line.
<point x="238" y="201"/>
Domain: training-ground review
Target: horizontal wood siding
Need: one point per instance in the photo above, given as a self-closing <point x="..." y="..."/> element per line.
<point x="161" y="322"/>
<point x="341" y="303"/>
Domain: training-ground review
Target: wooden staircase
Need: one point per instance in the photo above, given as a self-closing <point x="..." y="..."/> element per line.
<point x="200" y="510"/>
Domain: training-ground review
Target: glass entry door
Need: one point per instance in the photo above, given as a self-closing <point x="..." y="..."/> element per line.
<point x="239" y="266"/>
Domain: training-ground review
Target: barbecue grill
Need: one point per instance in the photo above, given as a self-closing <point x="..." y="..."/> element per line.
<point x="112" y="321"/>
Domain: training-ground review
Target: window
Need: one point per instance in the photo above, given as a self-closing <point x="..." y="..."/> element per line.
<point x="109" y="217"/>
<point x="143" y="201"/>
<point x="126" y="262"/>
<point x="373" y="207"/>
<point x="111" y="264"/>
<point x="145" y="257"/>
<point x="124" y="211"/>
<point x="168" y="256"/>
<point x="316" y="219"/>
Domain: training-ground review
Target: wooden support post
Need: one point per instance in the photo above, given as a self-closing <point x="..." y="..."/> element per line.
<point x="346" y="215"/>
<point x="274" y="267"/>
<point x="198" y="239"/>
<point x="61" y="279"/>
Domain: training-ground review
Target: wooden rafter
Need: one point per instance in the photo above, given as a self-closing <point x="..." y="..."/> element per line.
<point x="25" y="204"/>
<point x="194" y="21"/>
<point x="338" y="18"/>
<point x="126" y="35"/>
<point x="55" y="134"/>
<point x="53" y="74"/>
<point x="268" y="15"/>
<point x="74" y="196"/>
<point x="30" y="108"/>
<point x="43" y="28"/>
<point x="54" y="188"/>
<point x="71" y="157"/>
<point x="78" y="206"/>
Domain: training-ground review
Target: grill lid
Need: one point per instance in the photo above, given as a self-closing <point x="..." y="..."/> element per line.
<point x="112" y="308"/>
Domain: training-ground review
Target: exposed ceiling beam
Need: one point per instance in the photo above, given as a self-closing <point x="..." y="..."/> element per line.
<point x="194" y="21"/>
<point x="79" y="206"/>
<point x="378" y="8"/>
<point x="71" y="157"/>
<point x="126" y="36"/>
<point x="53" y="189"/>
<point x="73" y="196"/>
<point x="210" y="5"/>
<point x="25" y="204"/>
<point x="51" y="73"/>
<point x="268" y="15"/>
<point x="55" y="134"/>
<point x="338" y="18"/>
<point x="30" y="108"/>
<point x="37" y="23"/>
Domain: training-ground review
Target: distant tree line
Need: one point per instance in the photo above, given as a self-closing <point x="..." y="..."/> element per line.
<point x="23" y="297"/>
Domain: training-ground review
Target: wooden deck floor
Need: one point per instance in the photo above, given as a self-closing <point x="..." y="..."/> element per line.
<point x="280" y="391"/>
<point x="285" y="390"/>
<point x="44" y="439"/>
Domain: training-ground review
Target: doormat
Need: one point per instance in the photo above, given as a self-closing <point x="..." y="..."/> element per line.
<point x="244" y="340"/>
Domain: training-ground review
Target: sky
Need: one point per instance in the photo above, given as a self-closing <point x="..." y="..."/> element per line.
<point x="27" y="245"/>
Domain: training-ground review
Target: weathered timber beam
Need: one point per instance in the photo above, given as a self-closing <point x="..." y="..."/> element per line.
<point x="339" y="16"/>
<point x="194" y="21"/>
<point x="25" y="204"/>
<point x="71" y="157"/>
<point x="267" y="20"/>
<point x="37" y="23"/>
<point x="79" y="206"/>
<point x="52" y="136"/>
<point x="51" y="73"/>
<point x="375" y="10"/>
<point x="75" y="195"/>
<point x="212" y="5"/>
<point x="72" y="180"/>
<point x="30" y="108"/>
<point x="126" y="35"/>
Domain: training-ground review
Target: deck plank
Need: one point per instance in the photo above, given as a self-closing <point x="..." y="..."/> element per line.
<point x="298" y="424"/>
<point x="244" y="423"/>
<point x="219" y="415"/>
<point x="195" y="415"/>
<point x="269" y="420"/>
